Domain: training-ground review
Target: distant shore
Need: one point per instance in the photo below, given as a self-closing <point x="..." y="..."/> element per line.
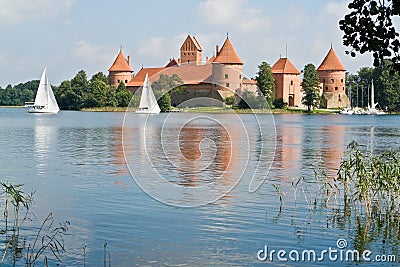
<point x="221" y="110"/>
<point x="224" y="110"/>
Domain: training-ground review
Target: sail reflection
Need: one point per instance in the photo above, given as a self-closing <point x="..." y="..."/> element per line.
<point x="43" y="140"/>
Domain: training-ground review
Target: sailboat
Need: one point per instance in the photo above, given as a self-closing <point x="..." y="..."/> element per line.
<point x="45" y="102"/>
<point x="372" y="110"/>
<point x="148" y="103"/>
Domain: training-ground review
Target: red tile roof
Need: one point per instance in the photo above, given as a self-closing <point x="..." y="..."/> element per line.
<point x="190" y="73"/>
<point x="251" y="81"/>
<point x="138" y="80"/>
<point x="211" y="59"/>
<point x="120" y="64"/>
<point x="194" y="41"/>
<point x="331" y="62"/>
<point x="284" y="66"/>
<point x="172" y="63"/>
<point x="228" y="54"/>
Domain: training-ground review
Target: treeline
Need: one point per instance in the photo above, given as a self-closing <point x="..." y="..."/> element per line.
<point x="386" y="84"/>
<point x="74" y="94"/>
<point x="19" y="94"/>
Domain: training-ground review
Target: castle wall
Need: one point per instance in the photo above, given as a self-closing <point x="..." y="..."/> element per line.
<point x="334" y="87"/>
<point x="114" y="78"/>
<point x="228" y="75"/>
<point x="333" y="81"/>
<point x="288" y="87"/>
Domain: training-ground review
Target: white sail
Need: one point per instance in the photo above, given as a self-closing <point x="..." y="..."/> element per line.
<point x="148" y="102"/>
<point x="45" y="102"/>
<point x="373" y="104"/>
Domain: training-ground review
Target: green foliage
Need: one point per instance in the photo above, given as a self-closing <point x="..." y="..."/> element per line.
<point x="266" y="82"/>
<point x="310" y="86"/>
<point x="164" y="87"/>
<point x="371" y="179"/>
<point x="369" y="27"/>
<point x="280" y="103"/>
<point x="386" y="84"/>
<point x="19" y="94"/>
<point x="229" y="100"/>
<point x="48" y="239"/>
<point x="167" y="83"/>
<point x="252" y="100"/>
<point x="164" y="102"/>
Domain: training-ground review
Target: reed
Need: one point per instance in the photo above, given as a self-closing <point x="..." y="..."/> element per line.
<point x="48" y="240"/>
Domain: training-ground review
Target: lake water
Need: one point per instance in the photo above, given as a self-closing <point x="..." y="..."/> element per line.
<point x="173" y="190"/>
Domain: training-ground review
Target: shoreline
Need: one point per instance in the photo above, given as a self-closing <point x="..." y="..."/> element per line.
<point x="220" y="110"/>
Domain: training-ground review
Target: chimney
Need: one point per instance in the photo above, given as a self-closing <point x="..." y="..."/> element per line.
<point x="129" y="59"/>
<point x="206" y="59"/>
<point x="216" y="50"/>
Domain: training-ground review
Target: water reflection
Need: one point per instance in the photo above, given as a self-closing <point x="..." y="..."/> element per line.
<point x="301" y="147"/>
<point x="43" y="138"/>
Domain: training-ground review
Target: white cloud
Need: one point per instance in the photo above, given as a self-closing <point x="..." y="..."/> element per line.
<point x="232" y="13"/>
<point x="17" y="11"/>
<point x="89" y="54"/>
<point x="336" y="9"/>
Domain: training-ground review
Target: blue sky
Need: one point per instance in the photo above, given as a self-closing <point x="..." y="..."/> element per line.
<point x="71" y="35"/>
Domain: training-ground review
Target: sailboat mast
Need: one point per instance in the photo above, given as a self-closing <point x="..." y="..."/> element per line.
<point x="372" y="94"/>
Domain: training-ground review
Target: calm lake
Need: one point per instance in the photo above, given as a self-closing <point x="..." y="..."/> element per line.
<point x="173" y="189"/>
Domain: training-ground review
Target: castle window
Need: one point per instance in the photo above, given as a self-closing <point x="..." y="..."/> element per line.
<point x="291" y="82"/>
<point x="323" y="80"/>
<point x="332" y="80"/>
<point x="226" y="76"/>
<point x="326" y="88"/>
<point x="336" y="88"/>
<point x="341" y="80"/>
<point x="126" y="81"/>
<point x="118" y="81"/>
<point x="343" y="89"/>
<point x="240" y="76"/>
<point x="227" y="84"/>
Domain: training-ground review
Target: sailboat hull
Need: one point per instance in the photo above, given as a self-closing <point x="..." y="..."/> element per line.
<point x="43" y="110"/>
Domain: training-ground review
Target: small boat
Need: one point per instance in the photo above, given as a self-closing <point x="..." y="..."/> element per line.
<point x="347" y="111"/>
<point x="148" y="103"/>
<point x="371" y="109"/>
<point x="45" y="102"/>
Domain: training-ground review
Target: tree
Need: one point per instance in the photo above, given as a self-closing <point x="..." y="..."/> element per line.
<point x="251" y="100"/>
<point x="311" y="87"/>
<point x="266" y="82"/>
<point x="123" y="96"/>
<point x="167" y="83"/>
<point x="164" y="102"/>
<point x="369" y="28"/>
<point x="280" y="103"/>
<point x="165" y="88"/>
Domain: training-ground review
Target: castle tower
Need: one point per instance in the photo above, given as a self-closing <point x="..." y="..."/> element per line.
<point x="120" y="71"/>
<point x="332" y="75"/>
<point x="191" y="51"/>
<point x="287" y="82"/>
<point x="227" y="67"/>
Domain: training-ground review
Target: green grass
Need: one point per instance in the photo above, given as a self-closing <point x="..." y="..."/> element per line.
<point x="105" y="109"/>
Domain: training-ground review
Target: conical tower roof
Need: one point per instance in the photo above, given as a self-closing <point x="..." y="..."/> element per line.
<point x="331" y="62"/>
<point x="228" y="54"/>
<point x="284" y="66"/>
<point x="120" y="64"/>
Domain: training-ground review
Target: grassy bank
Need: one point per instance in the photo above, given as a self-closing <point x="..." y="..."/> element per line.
<point x="105" y="109"/>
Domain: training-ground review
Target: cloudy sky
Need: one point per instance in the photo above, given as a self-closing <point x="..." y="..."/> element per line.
<point x="71" y="35"/>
